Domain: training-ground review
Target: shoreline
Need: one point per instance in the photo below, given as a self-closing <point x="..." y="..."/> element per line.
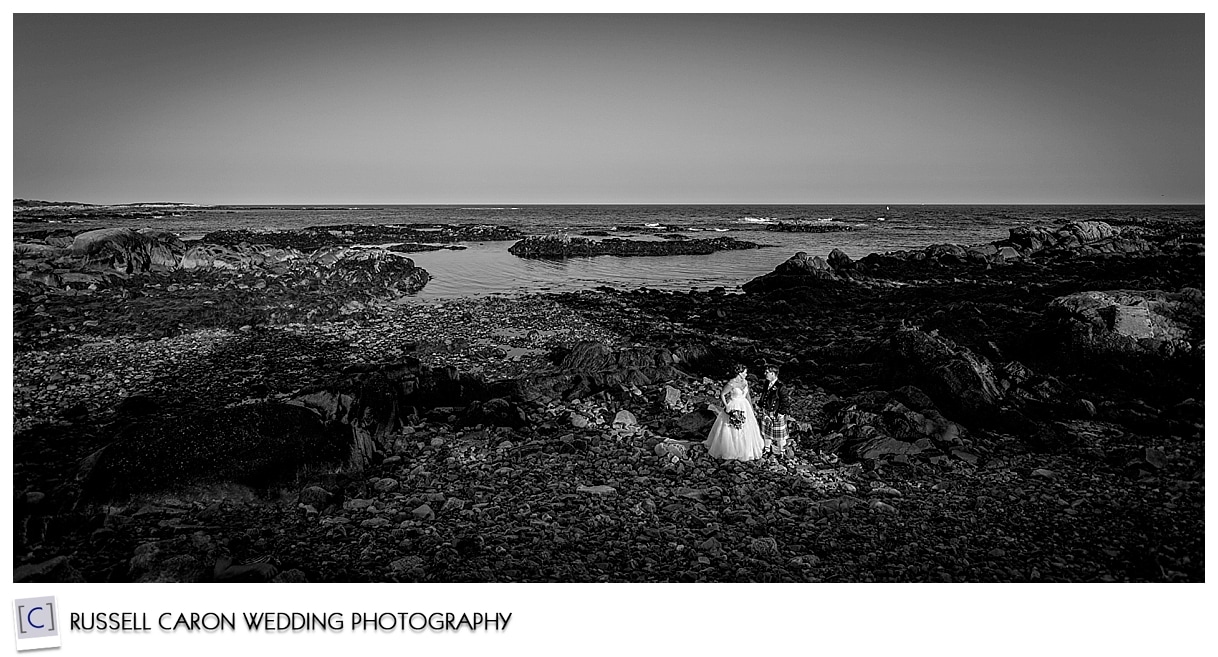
<point x="435" y="503"/>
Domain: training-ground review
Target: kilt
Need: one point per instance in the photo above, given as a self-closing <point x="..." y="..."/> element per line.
<point x="774" y="431"/>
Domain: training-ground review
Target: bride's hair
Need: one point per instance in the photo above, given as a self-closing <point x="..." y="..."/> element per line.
<point x="738" y="368"/>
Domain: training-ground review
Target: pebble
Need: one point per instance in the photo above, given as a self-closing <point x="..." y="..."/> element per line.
<point x="386" y="485"/>
<point x="597" y="490"/>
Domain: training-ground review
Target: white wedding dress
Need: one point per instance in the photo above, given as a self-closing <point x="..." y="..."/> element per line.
<point x="729" y="443"/>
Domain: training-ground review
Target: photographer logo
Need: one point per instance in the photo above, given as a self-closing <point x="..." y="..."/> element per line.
<point x="37" y="624"/>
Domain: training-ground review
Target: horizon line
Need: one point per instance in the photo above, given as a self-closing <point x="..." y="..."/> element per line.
<point x="617" y="203"/>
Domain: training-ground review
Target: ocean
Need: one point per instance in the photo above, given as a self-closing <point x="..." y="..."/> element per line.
<point x="487" y="268"/>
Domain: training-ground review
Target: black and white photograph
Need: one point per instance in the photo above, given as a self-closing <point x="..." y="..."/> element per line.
<point x="631" y="298"/>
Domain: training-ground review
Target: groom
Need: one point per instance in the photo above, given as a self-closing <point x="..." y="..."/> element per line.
<point x="775" y="404"/>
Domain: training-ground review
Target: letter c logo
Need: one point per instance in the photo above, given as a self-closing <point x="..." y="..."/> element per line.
<point x="29" y="618"/>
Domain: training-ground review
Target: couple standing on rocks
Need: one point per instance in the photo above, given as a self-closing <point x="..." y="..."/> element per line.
<point x="736" y="435"/>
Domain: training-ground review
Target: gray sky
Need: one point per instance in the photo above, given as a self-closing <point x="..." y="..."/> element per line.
<point x="610" y="108"/>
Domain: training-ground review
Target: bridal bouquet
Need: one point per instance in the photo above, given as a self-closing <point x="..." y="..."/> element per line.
<point x="736" y="417"/>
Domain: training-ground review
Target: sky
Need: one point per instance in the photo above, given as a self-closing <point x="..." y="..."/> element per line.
<point x="490" y="109"/>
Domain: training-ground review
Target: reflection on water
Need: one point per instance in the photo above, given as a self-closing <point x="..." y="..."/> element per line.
<point x="488" y="268"/>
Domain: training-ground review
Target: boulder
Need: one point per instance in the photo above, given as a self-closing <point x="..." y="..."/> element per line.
<point x="127" y="250"/>
<point x="696" y="423"/>
<point x="958" y="380"/>
<point x="625" y="420"/>
<point x="797" y="271"/>
<point x="1116" y="322"/>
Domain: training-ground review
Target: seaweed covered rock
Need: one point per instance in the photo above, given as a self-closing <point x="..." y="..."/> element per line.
<point x="561" y="246"/>
<point x="879" y="424"/>
<point x="805" y="226"/>
<point x="429" y="233"/>
<point x="376" y="400"/>
<point x="592" y="367"/>
<point x="257" y="444"/>
<point x="1088" y="238"/>
<point x="300" y="240"/>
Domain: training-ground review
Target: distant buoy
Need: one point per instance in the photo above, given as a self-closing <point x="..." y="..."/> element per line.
<point x="879" y="218"/>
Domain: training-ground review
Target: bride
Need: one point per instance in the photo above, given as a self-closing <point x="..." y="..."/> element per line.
<point x="726" y="440"/>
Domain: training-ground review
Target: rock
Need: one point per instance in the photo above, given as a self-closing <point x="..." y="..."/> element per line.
<point x="316" y="497"/>
<point x="764" y="547"/>
<point x="578" y="420"/>
<point x="373" y="523"/>
<point x="597" y="490"/>
<point x="357" y="504"/>
<point x="840" y="262"/>
<point x="1155" y="457"/>
<point x="670" y="448"/>
<point x="834" y="505"/>
<point x="127" y="250"/>
<point x="876" y="425"/>
<point x="625" y="420"/>
<point x="57" y="569"/>
<point x="800" y="270"/>
<point x="136" y="406"/>
<point x="177" y="569"/>
<point x="376" y="401"/>
<point x="966" y="456"/>
<point x="1042" y="473"/>
<point x="803" y="226"/>
<point x="1098" y="324"/>
<point x="424" y="512"/>
<point x="293" y="576"/>
<point x="592" y="367"/>
<point x="385" y="485"/>
<point x="452" y="504"/>
<point x="406" y="564"/>
<point x="558" y="246"/>
<point x="672" y="398"/>
<point x="696" y="423"/>
<point x="47" y="251"/>
<point x="494" y="412"/>
<point x="256" y="444"/>
<point x="957" y="379"/>
<point x="1086" y="407"/>
<point x="877" y="505"/>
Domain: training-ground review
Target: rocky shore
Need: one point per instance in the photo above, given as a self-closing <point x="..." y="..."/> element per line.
<point x="798" y="226"/>
<point x="1028" y="410"/>
<point x="559" y="246"/>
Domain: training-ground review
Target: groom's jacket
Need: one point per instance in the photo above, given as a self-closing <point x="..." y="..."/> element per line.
<point x="775" y="399"/>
